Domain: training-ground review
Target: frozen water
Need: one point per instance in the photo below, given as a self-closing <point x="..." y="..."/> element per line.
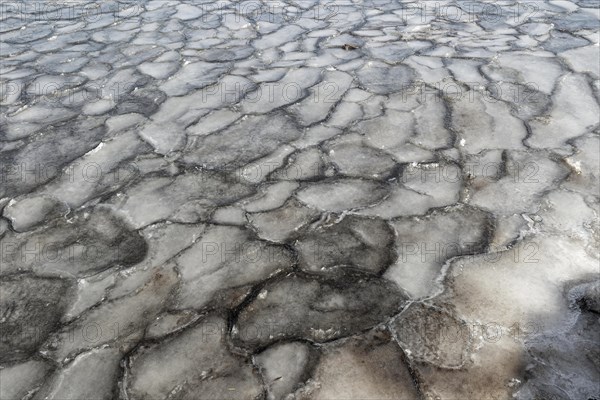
<point x="349" y="242"/>
<point x="343" y="194"/>
<point x="373" y="368"/>
<point x="298" y="200"/>
<point x="317" y="310"/>
<point x="284" y="367"/>
<point x="226" y="257"/>
<point x="268" y="223"/>
<point x="202" y="364"/>
<point x="31" y="309"/>
<point x="89" y="242"/>
<point x="19" y="380"/>
<point x="245" y="141"/>
<point x="382" y="79"/>
<point x="485" y="124"/>
<point x="90" y="375"/>
<point x="432" y="335"/>
<point x="423" y="244"/>
<point x="30" y="211"/>
<point x="121" y="323"/>
<point x="574" y="112"/>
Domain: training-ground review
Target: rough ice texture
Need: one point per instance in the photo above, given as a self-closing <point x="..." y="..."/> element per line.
<point x="353" y="242"/>
<point x="195" y="363"/>
<point x="369" y="366"/>
<point x="373" y="199"/>
<point x="318" y="310"/>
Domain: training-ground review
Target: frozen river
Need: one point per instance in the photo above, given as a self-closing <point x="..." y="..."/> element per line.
<point x="299" y="200"/>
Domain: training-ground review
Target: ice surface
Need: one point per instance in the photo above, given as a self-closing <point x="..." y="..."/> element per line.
<point x="193" y="76"/>
<point x="19" y="380"/>
<point x="485" y="124"/>
<point x="357" y="160"/>
<point x="574" y="112"/>
<point x="432" y="335"/>
<point x="377" y="199"/>
<point x="316" y="309"/>
<point x="245" y="141"/>
<point x="383" y="79"/>
<point x="170" y="322"/>
<point x="343" y="194"/>
<point x="30" y="211"/>
<point x="420" y="188"/>
<point x="525" y="174"/>
<point x="373" y="367"/>
<point x="121" y="323"/>
<point x="226" y="257"/>
<point x="90" y="375"/>
<point x="584" y="166"/>
<point x="345" y="242"/>
<point x="268" y="223"/>
<point x="289" y="89"/>
<point x="91" y="241"/>
<point x="498" y="285"/>
<point x="146" y="202"/>
<point x="32" y="308"/>
<point x="202" y="364"/>
<point x="423" y="244"/>
<point x="283" y="367"/>
<point x="557" y="366"/>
